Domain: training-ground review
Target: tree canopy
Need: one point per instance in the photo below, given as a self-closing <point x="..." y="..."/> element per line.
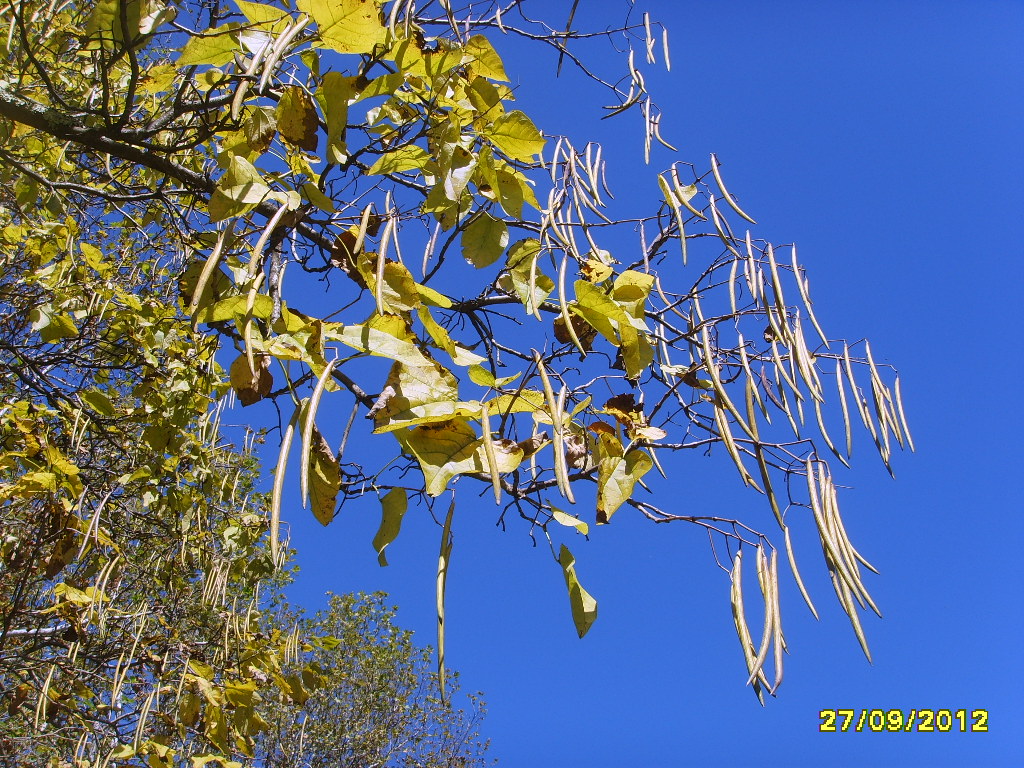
<point x="462" y="289"/>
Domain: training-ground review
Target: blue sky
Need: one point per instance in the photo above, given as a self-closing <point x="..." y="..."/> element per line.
<point x="884" y="138"/>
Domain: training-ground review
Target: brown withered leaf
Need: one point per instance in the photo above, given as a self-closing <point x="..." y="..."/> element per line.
<point x="575" y="451"/>
<point x="585" y="332"/>
<point x="533" y="444"/>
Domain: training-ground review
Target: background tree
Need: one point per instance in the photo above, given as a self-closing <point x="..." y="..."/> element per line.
<point x="137" y="590"/>
<point x="534" y="356"/>
<point x="378" y="702"/>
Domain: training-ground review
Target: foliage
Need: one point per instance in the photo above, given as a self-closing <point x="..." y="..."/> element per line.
<point x="552" y="364"/>
<point x="137" y="585"/>
<point x="378" y="702"/>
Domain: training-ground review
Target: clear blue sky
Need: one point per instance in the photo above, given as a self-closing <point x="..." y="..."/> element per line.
<point x="885" y="138"/>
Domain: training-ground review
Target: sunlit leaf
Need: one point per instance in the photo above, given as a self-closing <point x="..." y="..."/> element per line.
<point x="324" y="479"/>
<point x="484" y="240"/>
<point x="393" y="507"/>
<point x="562" y="518"/>
<point x="486" y="61"/>
<point x="297" y="118"/>
<point x="452" y="448"/>
<point x="407" y="158"/>
<point x="216" y="47"/>
<point x="584" y="607"/>
<point x="617" y="474"/>
<point x="516" y="135"/>
<point x="347" y="26"/>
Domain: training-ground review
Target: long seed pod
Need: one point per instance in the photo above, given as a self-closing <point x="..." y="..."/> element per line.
<point x="209" y="267"/>
<point x="732" y="286"/>
<point x="801" y="284"/>
<point x="309" y="425"/>
<point x="278" y="491"/>
<point x="762" y="464"/>
<point x="796" y="572"/>
<point x="753" y="273"/>
<point x="712" y="369"/>
<point x="563" y="306"/>
<point x="492" y="459"/>
<point x="725" y="192"/>
<point x="561" y="472"/>
<point x="724" y="236"/>
<point x="443" y="559"/>
<point x="768" y="627"/>
<point x="279" y="48"/>
<point x="824" y="433"/>
<point x="725" y="432"/>
<point x="846" y="410"/>
<point x="778" y="640"/>
<point x="684" y="193"/>
<point x="244" y="82"/>
<point x="780" y="300"/>
<point x="673" y="203"/>
<point x="740" y="620"/>
<point x="903" y="417"/>
<point x="745" y="362"/>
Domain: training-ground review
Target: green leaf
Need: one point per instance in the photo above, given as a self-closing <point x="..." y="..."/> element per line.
<point x="562" y="518"/>
<point x="324" y="479"/>
<point x="216" y="47"/>
<point x="257" y="13"/>
<point x="238" y="190"/>
<point x="318" y="198"/>
<point x="376" y="340"/>
<point x="432" y="298"/>
<point x="459" y="354"/>
<point x="393" y="507"/>
<point x="584" y="607"/>
<point x="297" y="119"/>
<point x="617" y="474"/>
<point x="407" y="158"/>
<point x="399" y="292"/>
<point x="52" y="326"/>
<point x="451" y="448"/>
<point x="347" y="26"/>
<point x="486" y="61"/>
<point x="521" y="256"/>
<point x="234" y="309"/>
<point x="334" y="95"/>
<point x="417" y="395"/>
<point x="484" y="240"/>
<point x="483" y="377"/>
<point x="615" y="322"/>
<point x="98" y="401"/>
<point x="516" y="135"/>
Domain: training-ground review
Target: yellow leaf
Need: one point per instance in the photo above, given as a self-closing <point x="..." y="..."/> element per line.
<point x="486" y="61"/>
<point x="451" y="448"/>
<point x="347" y="26"/>
<point x="297" y="119"/>
<point x="393" y="507"/>
<point x="584" y="607"/>
<point x="516" y="135"/>
<point x="324" y="479"/>
<point x="484" y="240"/>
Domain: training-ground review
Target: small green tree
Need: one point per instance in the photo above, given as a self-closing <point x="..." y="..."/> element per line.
<point x="378" y="702"/>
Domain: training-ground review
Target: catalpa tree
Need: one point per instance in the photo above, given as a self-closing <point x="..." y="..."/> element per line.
<point x="379" y="238"/>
